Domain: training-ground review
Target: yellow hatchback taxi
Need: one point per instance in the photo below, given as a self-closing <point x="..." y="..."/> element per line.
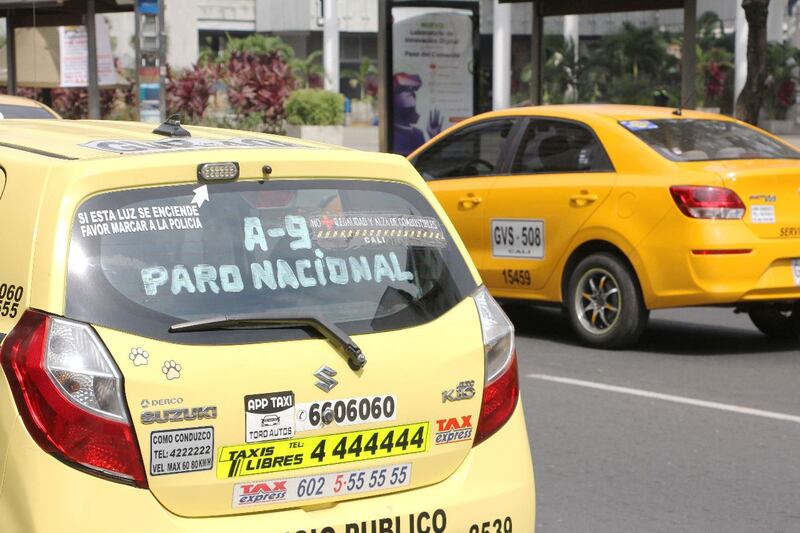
<point x="611" y="211"/>
<point x="213" y="331"/>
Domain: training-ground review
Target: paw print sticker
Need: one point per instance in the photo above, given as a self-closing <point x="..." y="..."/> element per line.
<point x="171" y="369"/>
<point x="139" y="356"/>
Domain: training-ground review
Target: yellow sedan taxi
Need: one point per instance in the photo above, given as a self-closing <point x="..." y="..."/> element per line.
<point x="611" y="211"/>
<point x="211" y="331"/>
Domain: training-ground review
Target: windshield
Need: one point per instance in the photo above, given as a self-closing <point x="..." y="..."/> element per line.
<point x="366" y="255"/>
<point x="707" y="140"/>
<point x="20" y="111"/>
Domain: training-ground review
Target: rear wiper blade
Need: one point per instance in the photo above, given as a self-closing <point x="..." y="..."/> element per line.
<point x="355" y="357"/>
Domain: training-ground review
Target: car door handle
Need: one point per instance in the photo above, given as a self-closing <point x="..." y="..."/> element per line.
<point x="583" y="199"/>
<point x="469" y="201"/>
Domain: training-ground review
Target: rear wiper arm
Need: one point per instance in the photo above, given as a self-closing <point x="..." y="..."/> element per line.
<point x="355" y="357"/>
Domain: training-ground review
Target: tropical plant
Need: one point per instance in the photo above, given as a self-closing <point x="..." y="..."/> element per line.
<point x="73" y="102"/>
<point x="308" y="71"/>
<point x="257" y="44"/>
<point x="258" y="85"/>
<point x="783" y="60"/>
<point x="315" y="107"/>
<point x="360" y="78"/>
<point x="188" y="91"/>
<point x="714" y="66"/>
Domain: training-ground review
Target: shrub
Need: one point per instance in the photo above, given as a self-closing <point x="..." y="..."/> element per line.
<point x="189" y="91"/>
<point x="315" y="107"/>
<point x="258" y="84"/>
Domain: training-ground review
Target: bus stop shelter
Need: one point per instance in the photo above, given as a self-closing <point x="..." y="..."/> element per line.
<point x="548" y="8"/>
<point x="39" y="13"/>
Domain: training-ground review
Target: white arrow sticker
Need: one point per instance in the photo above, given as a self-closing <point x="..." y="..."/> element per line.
<point x="200" y="195"/>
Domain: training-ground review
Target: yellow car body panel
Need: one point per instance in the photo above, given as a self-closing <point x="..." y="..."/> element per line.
<point x="631" y="209"/>
<point x="457" y="484"/>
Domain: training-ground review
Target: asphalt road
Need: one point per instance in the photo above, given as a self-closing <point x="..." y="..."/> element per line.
<point x="695" y="430"/>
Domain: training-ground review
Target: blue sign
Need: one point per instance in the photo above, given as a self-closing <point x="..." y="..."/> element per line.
<point x="148" y="7"/>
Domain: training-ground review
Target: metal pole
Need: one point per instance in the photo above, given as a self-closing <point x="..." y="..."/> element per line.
<point x="741" y="51"/>
<point x="162" y="62"/>
<point x="572" y="35"/>
<point x="330" y="46"/>
<point x="501" y="56"/>
<point x="11" y="54"/>
<point x="537" y="53"/>
<point x="91" y="41"/>
<point x="689" y="55"/>
<point x="384" y="74"/>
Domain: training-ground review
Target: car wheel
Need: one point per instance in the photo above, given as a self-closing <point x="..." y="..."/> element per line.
<point x="780" y="321"/>
<point x="604" y="303"/>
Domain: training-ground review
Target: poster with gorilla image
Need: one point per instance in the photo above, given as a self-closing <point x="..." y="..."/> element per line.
<point x="432" y="73"/>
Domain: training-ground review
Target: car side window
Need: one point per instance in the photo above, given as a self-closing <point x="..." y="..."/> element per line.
<point x="471" y="151"/>
<point x="554" y="146"/>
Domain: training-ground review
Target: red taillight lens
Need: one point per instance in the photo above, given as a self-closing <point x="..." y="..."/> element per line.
<point x="499" y="402"/>
<point x="68" y="393"/>
<point x="708" y="202"/>
<point x="501" y="387"/>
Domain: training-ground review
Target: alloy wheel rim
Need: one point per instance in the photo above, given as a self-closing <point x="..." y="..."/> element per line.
<point x="598" y="301"/>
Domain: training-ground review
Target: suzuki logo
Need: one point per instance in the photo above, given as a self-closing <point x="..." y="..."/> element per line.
<point x="325" y="375"/>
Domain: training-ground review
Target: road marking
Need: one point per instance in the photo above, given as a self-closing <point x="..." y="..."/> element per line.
<point x="669" y="398"/>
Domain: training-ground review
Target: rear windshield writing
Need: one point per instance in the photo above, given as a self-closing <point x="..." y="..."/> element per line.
<point x="138" y="220"/>
<point x="353" y="255"/>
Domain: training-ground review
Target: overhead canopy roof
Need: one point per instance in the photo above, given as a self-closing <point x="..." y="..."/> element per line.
<point x="57" y="12"/>
<point x="585" y="7"/>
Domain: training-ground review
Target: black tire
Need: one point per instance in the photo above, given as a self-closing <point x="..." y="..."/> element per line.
<point x="601" y="316"/>
<point x="779" y="321"/>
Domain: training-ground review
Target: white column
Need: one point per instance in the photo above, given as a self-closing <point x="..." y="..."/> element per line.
<point x="741" y="52"/>
<point x="572" y="35"/>
<point x="501" y="56"/>
<point x="330" y="46"/>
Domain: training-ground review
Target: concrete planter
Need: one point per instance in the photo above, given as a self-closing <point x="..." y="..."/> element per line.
<point x="778" y="126"/>
<point x="323" y="134"/>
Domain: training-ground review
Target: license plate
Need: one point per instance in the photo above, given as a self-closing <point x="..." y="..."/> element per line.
<point x="322" y="486"/>
<point x="321" y="450"/>
<point x="796" y="271"/>
<point x="518" y="238"/>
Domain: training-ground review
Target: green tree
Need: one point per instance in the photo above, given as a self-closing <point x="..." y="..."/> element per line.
<point x="308" y="69"/>
<point x="358" y="78"/>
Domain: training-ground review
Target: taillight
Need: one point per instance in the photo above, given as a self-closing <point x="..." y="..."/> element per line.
<point x="708" y="202"/>
<point x="68" y="392"/>
<point x="501" y="386"/>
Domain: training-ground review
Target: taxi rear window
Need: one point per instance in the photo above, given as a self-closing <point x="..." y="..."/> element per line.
<point x="707" y="140"/>
<point x="368" y="256"/>
<point x="19" y="111"/>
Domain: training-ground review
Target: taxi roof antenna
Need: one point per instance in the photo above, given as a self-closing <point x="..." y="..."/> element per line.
<point x="681" y="104"/>
<point x="172" y="127"/>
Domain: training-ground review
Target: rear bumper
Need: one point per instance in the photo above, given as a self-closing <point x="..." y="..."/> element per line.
<point x="674" y="275"/>
<point x="42" y="495"/>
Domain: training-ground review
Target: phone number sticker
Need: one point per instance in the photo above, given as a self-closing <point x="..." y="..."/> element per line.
<point x="347" y="411"/>
<point x="321" y="450"/>
<point x="518" y="238"/>
<point x="181" y="450"/>
<point x="321" y="486"/>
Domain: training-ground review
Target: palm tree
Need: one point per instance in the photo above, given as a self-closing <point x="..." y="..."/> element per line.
<point x="307" y="69"/>
<point x="359" y="78"/>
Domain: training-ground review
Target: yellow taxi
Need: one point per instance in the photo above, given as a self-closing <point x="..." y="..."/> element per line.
<point x="210" y="331"/>
<point x="13" y="107"/>
<point x="611" y="211"/>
